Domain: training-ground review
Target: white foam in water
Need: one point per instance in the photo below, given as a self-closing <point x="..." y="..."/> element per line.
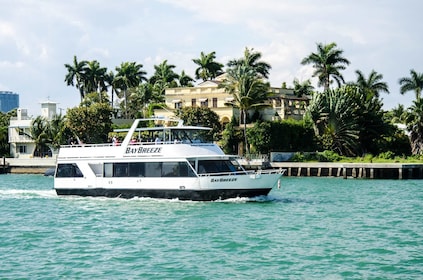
<point x="25" y="194"/>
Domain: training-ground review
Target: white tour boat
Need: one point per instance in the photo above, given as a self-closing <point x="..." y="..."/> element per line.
<point x="165" y="160"/>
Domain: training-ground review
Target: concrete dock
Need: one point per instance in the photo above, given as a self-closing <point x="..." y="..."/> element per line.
<point x="352" y="170"/>
<point x="27" y="165"/>
<point x="293" y="169"/>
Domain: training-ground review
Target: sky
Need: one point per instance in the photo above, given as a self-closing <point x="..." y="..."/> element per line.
<point x="37" y="37"/>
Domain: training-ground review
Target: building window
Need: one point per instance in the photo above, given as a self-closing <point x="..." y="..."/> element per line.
<point x="193" y="102"/>
<point x="214" y="102"/>
<point x="204" y="102"/>
<point x="178" y="105"/>
<point x="22" y="149"/>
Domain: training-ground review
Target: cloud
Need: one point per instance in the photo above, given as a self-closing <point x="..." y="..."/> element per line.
<point x="38" y="37"/>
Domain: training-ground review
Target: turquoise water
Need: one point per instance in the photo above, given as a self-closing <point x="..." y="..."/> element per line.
<point x="311" y="228"/>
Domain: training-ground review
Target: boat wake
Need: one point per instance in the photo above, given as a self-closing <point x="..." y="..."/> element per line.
<point x="27" y="194"/>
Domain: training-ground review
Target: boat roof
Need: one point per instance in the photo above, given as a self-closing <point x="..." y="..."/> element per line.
<point x="163" y="128"/>
<point x="163" y="124"/>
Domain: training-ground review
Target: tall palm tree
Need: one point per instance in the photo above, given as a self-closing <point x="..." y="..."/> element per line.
<point x="372" y="85"/>
<point x="252" y="59"/>
<point x="249" y="92"/>
<point x="208" y="68"/>
<point x="164" y="77"/>
<point x="185" y="80"/>
<point x="328" y="63"/>
<point x="128" y="75"/>
<point x="109" y="80"/>
<point x="414" y="121"/>
<point x="414" y="83"/>
<point x="95" y="78"/>
<point x="76" y="75"/>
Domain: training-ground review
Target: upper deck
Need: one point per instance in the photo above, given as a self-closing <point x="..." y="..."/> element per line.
<point x="150" y="138"/>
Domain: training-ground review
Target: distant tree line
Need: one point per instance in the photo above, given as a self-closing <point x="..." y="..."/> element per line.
<point x="344" y="117"/>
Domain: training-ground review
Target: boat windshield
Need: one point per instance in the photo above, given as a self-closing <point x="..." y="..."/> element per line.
<point x="190" y="135"/>
<point x="218" y="166"/>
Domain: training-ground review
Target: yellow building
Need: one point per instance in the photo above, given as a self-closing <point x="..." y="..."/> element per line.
<point x="283" y="103"/>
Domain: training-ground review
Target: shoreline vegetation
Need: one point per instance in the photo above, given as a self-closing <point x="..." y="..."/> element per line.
<point x="344" y="119"/>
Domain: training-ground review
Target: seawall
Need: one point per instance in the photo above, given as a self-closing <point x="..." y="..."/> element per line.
<point x="27" y="165"/>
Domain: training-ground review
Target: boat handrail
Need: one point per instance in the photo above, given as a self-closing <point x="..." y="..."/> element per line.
<point x="246" y="172"/>
<point x="138" y="143"/>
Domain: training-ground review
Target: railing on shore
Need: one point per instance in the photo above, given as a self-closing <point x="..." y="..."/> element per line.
<point x="352" y="170"/>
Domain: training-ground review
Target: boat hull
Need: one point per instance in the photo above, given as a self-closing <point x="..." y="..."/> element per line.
<point x="194" y="195"/>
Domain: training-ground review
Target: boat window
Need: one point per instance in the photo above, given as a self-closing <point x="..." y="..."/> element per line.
<point x="96" y="168"/>
<point x="108" y="170"/>
<point x="136" y="169"/>
<point x="68" y="170"/>
<point x="120" y="169"/>
<point x="148" y="169"/>
<point x="215" y="166"/>
<point x="191" y="136"/>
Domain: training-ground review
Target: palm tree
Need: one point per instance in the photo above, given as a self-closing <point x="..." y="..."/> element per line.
<point x="110" y="82"/>
<point x="414" y="83"/>
<point x="164" y="77"/>
<point x="185" y="80"/>
<point x="371" y="85"/>
<point x="129" y="74"/>
<point x="76" y="75"/>
<point x="396" y="115"/>
<point x="334" y="118"/>
<point x="95" y="77"/>
<point x="40" y="133"/>
<point x="208" y="68"/>
<point x="249" y="91"/>
<point x="327" y="62"/>
<point x="252" y="59"/>
<point x="304" y="88"/>
<point x="414" y="121"/>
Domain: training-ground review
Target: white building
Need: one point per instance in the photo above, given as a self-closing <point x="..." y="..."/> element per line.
<point x="21" y="144"/>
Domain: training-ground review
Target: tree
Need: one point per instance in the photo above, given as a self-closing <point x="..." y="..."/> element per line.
<point x="328" y="63"/>
<point x="95" y="77"/>
<point x="164" y="77"/>
<point x="75" y="75"/>
<point x="185" y="80"/>
<point x="349" y="121"/>
<point x="252" y="60"/>
<point x="129" y="74"/>
<point x="334" y="118"/>
<point x="231" y="137"/>
<point x="414" y="120"/>
<point x="91" y="121"/>
<point x="373" y="84"/>
<point x="304" y="88"/>
<point x="110" y="82"/>
<point x="142" y="101"/>
<point x="208" y="68"/>
<point x="396" y="115"/>
<point x="413" y="83"/>
<point x="4" y="131"/>
<point x="201" y="116"/>
<point x="249" y="92"/>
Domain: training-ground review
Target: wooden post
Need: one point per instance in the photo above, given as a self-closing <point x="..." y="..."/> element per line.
<point x="400" y="173"/>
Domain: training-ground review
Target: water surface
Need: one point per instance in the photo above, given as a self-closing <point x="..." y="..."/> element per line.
<point x="311" y="228"/>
